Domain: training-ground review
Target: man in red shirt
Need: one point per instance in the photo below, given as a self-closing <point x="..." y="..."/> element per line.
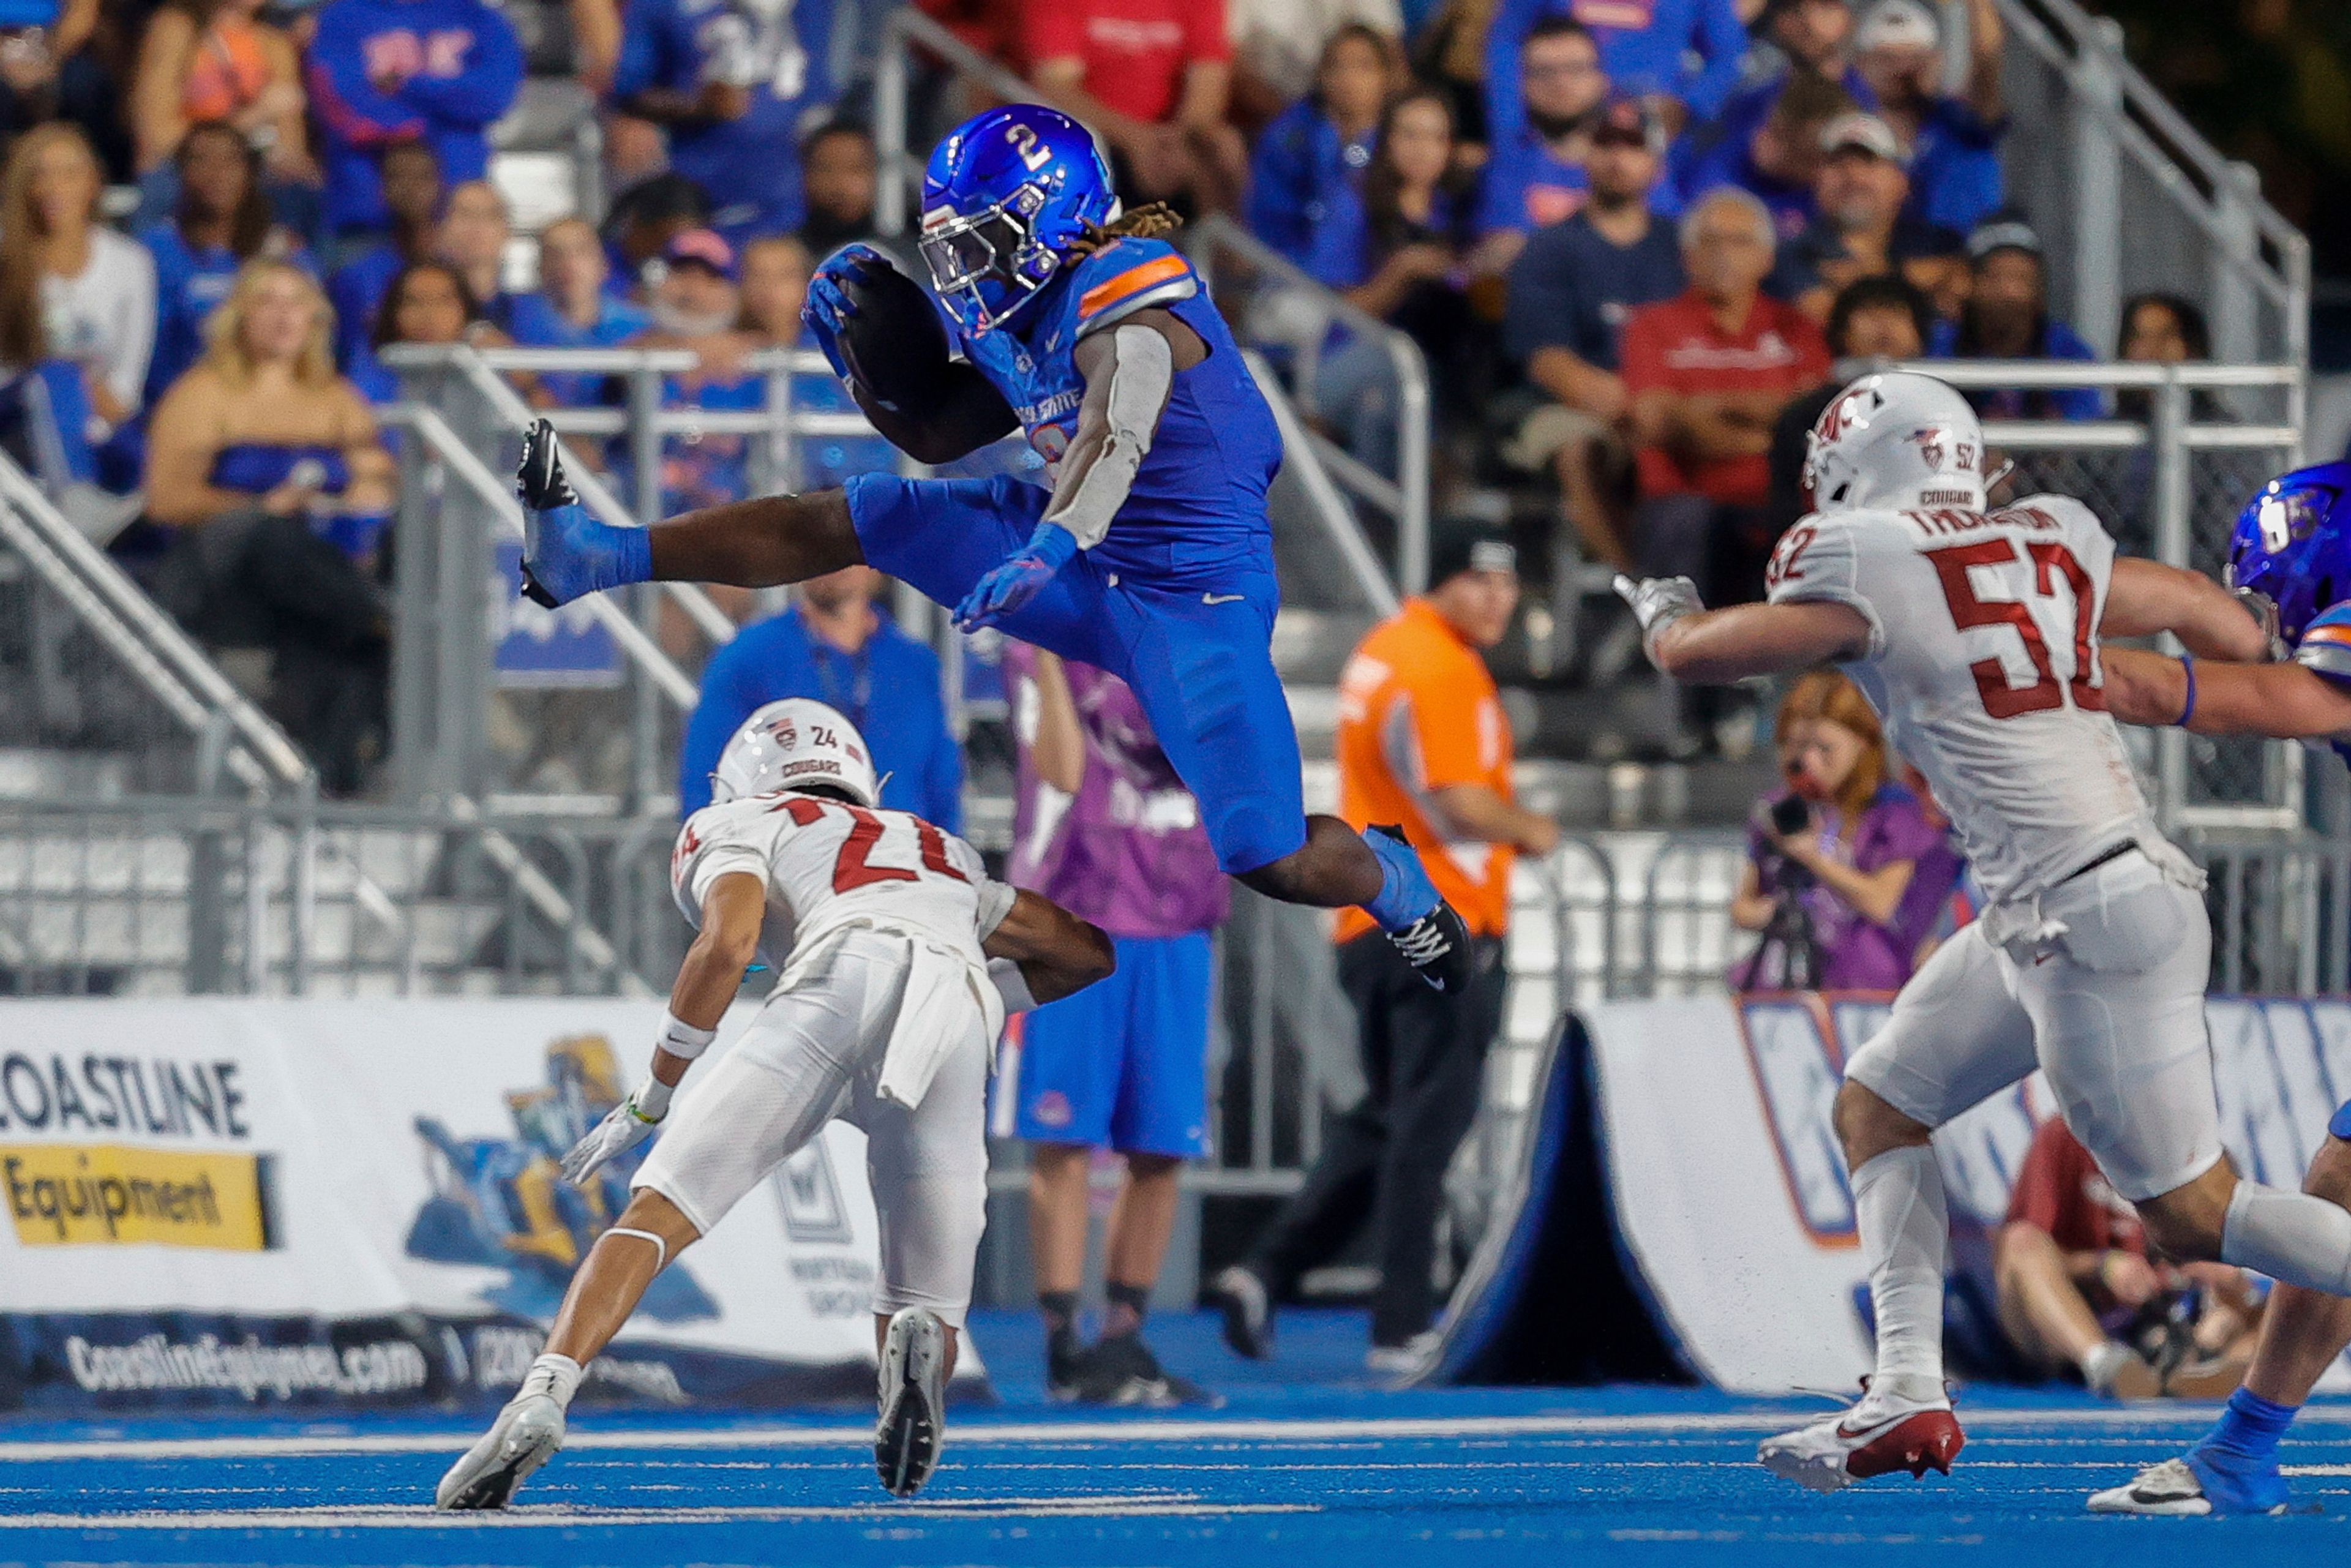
<point x="2072" y="1270"/>
<point x="1706" y="373"/>
<point x="1151" y="76"/>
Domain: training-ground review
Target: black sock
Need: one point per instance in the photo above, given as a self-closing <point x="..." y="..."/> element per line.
<point x="1127" y="1305"/>
<point x="1061" y="1309"/>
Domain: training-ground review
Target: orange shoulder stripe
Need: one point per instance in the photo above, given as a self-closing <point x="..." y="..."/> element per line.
<point x="1133" y="281"/>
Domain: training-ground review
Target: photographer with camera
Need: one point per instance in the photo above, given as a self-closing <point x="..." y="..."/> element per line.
<point x="1834" y="880"/>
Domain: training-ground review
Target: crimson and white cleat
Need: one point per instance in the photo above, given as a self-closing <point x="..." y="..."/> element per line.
<point x="1882" y="1434"/>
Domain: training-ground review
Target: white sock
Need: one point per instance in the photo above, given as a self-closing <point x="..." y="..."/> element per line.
<point x="1906" y="1226"/>
<point x="554" y="1376"/>
<point x="2101" y="1361"/>
<point x="2289" y="1236"/>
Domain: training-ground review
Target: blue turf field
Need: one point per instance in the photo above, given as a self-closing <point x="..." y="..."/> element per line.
<point x="1305" y="1464"/>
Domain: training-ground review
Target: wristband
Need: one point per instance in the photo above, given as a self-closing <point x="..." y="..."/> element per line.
<point x="2187" y="668"/>
<point x="650" y="1101"/>
<point x="683" y="1039"/>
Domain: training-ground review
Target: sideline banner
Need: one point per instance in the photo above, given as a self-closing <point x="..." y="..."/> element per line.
<point x="351" y="1205"/>
<point x="1729" y="1190"/>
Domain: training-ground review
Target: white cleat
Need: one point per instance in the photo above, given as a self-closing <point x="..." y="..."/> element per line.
<point x="907" y="1438"/>
<point x="526" y="1435"/>
<point x="1882" y="1434"/>
<point x="2168" y="1489"/>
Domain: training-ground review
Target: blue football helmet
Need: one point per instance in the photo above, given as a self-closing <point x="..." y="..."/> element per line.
<point x="1004" y="196"/>
<point x="2293" y="546"/>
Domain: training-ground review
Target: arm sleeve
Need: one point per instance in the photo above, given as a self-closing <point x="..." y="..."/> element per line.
<point x="484" y="87"/>
<point x="347" y="104"/>
<point x="1506" y="110"/>
<point x="1819" y="561"/>
<point x="1722" y="43"/>
<point x="720" y="710"/>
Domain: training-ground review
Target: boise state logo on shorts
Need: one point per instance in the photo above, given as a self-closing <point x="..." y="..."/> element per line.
<point x="1051" y="1109"/>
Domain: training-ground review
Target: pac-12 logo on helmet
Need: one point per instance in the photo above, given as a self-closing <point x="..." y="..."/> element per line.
<point x="1004" y="198"/>
<point x="792" y="745"/>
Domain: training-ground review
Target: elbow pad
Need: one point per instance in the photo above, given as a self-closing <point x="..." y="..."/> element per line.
<point x="1142" y="375"/>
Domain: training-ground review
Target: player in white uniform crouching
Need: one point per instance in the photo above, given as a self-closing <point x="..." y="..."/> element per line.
<point x="898" y="956"/>
<point x="1977" y="634"/>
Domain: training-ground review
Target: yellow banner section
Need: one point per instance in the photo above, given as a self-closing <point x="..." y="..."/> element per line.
<point x="64" y="1195"/>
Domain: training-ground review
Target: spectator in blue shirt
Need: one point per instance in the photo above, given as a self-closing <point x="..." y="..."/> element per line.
<point x="644" y="218"/>
<point x="1777" y="162"/>
<point x="572" y="310"/>
<point x="380" y="71"/>
<point x="1570" y="291"/>
<point x="833" y="647"/>
<point x="1535" y="175"/>
<point x="410" y="177"/>
<point x="223" y="221"/>
<point x="1322" y="140"/>
<point x="1394" y="249"/>
<point x="2007" y="318"/>
<point x="1795" y="38"/>
<point x="1954" y="143"/>
<point x="1646" y="48"/>
<point x="697" y="307"/>
<point x="775" y="286"/>
<point x="730" y="80"/>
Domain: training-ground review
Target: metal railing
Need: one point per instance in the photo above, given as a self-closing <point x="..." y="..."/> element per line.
<point x="2108" y="168"/>
<point x="1250" y="270"/>
<point x="230" y="730"/>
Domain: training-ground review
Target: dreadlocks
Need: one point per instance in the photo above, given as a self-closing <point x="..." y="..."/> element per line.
<point x="1148" y="221"/>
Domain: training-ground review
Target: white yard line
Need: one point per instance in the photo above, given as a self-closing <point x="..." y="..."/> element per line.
<point x="1091" y="1433"/>
<point x="1147" y="1505"/>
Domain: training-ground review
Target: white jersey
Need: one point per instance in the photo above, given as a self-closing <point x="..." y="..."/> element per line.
<point x="1983" y="659"/>
<point x="826" y="862"/>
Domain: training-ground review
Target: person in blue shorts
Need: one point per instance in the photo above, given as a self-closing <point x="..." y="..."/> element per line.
<point x="1102" y="818"/>
<point x="1150" y="557"/>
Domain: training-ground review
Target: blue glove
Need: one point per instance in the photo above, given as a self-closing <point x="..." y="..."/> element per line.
<point x="565" y="553"/>
<point x="1004" y="591"/>
<point x="828" y="308"/>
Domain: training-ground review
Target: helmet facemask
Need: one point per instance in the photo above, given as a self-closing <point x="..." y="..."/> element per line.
<point x="987" y="265"/>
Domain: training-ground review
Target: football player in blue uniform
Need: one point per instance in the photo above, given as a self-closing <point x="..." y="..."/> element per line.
<point x="1151" y="556"/>
<point x="2291" y="557"/>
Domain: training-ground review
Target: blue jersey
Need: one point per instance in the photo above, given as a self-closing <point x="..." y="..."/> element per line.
<point x="1198" y="503"/>
<point x="749" y="166"/>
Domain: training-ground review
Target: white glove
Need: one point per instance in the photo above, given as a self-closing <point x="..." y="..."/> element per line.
<point x="625" y="1126"/>
<point x="1657" y="602"/>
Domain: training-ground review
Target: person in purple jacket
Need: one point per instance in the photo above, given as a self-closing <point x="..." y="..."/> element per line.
<point x="1840" y="862"/>
<point x="1103" y="821"/>
<point x="382" y="72"/>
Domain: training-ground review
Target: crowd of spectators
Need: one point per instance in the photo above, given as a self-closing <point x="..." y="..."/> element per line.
<point x="1617" y="231"/>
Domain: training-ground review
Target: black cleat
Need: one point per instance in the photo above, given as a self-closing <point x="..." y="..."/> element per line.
<point x="538" y="478"/>
<point x="1065" y="1364"/>
<point x="1121" y="1370"/>
<point x="1437" y="946"/>
<point x="1240" y="1297"/>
